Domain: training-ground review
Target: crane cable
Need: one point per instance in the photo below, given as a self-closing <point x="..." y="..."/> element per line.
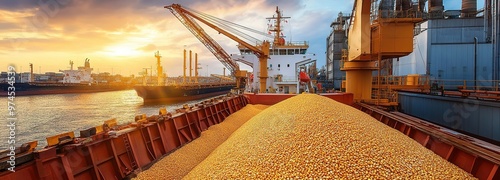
<point x="230" y="26"/>
<point x="232" y="30"/>
<point x="234" y="24"/>
<point x="230" y="65"/>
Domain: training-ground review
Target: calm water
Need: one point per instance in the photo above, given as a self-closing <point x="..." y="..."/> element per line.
<point x="46" y="115"/>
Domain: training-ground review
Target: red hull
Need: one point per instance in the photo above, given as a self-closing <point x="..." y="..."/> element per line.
<point x="134" y="147"/>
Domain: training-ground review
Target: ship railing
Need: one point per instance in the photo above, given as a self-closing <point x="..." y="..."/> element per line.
<point x="460" y="85"/>
<point x="285" y="79"/>
<point x="297" y="43"/>
<point x="386" y="87"/>
<point x="393" y="14"/>
<point x="409" y="80"/>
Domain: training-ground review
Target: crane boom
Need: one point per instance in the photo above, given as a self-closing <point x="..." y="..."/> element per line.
<point x="204" y="38"/>
<point x="186" y="17"/>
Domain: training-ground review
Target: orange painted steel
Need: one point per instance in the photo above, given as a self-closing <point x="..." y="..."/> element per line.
<point x="127" y="149"/>
<point x="475" y="156"/>
<point x="271" y="98"/>
<point x="131" y="148"/>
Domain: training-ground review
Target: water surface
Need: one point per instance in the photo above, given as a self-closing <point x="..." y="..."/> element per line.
<point x="41" y="116"/>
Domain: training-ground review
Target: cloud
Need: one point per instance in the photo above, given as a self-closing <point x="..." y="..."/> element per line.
<point x="18" y="4"/>
<point x="149" y="48"/>
<point x="97" y="29"/>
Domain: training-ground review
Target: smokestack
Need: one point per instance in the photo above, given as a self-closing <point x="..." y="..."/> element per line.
<point x="184" y="76"/>
<point x="469" y="8"/>
<point x="196" y="68"/>
<point x="190" y="66"/>
<point x="436" y="9"/>
<point x="32" y="76"/>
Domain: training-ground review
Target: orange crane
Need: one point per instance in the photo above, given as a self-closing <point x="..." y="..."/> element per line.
<point x="389" y="35"/>
<point x="187" y="18"/>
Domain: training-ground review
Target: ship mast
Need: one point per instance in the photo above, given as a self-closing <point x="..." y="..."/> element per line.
<point x="159" y="69"/>
<point x="278" y="37"/>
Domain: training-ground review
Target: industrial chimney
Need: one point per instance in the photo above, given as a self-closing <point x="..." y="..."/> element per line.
<point x="436" y="9"/>
<point x="469" y="8"/>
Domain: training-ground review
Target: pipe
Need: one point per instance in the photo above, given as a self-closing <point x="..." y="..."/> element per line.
<point x="32" y="76"/>
<point x="184" y="76"/>
<point x="196" y="68"/>
<point x="496" y="39"/>
<point x="487" y="20"/>
<point x="475" y="63"/>
<point x="190" y="66"/>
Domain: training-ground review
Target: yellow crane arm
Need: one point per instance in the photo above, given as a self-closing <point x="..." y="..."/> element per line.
<point x="204" y="38"/>
<point x="178" y="11"/>
<point x="360" y="32"/>
<point x="257" y="51"/>
<point x="187" y="17"/>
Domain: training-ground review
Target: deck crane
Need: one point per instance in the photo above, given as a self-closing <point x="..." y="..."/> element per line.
<point x="376" y="34"/>
<point x="187" y="18"/>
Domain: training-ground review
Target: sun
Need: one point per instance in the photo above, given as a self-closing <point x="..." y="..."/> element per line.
<point x="121" y="50"/>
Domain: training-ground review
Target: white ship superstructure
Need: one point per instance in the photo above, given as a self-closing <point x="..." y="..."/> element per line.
<point x="285" y="62"/>
<point x="80" y="76"/>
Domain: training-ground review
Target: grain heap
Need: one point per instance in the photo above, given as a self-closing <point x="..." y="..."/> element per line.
<point x="180" y="162"/>
<point x="310" y="136"/>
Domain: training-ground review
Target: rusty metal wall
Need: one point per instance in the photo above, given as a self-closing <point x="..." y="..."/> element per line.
<point x="116" y="154"/>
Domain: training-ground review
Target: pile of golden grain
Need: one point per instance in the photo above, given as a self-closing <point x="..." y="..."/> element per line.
<point x="180" y="162"/>
<point x="310" y="136"/>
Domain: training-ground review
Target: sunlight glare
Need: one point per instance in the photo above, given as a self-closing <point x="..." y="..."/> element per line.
<point x="121" y="50"/>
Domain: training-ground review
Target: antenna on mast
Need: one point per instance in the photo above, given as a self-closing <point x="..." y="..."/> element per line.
<point x="276" y="27"/>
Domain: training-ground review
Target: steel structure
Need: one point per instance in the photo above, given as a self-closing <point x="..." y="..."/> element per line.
<point x="375" y="34"/>
<point x="187" y="18"/>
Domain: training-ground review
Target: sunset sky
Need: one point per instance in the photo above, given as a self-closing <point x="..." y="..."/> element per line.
<point x="121" y="36"/>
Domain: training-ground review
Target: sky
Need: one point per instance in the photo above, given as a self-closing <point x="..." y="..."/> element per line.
<point x="121" y="36"/>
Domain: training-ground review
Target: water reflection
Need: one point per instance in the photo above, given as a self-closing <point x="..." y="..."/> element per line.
<point x="46" y="115"/>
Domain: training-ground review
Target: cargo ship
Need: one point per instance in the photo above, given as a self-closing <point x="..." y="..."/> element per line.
<point x="182" y="92"/>
<point x="289" y="66"/>
<point x="73" y="81"/>
<point x="191" y="88"/>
